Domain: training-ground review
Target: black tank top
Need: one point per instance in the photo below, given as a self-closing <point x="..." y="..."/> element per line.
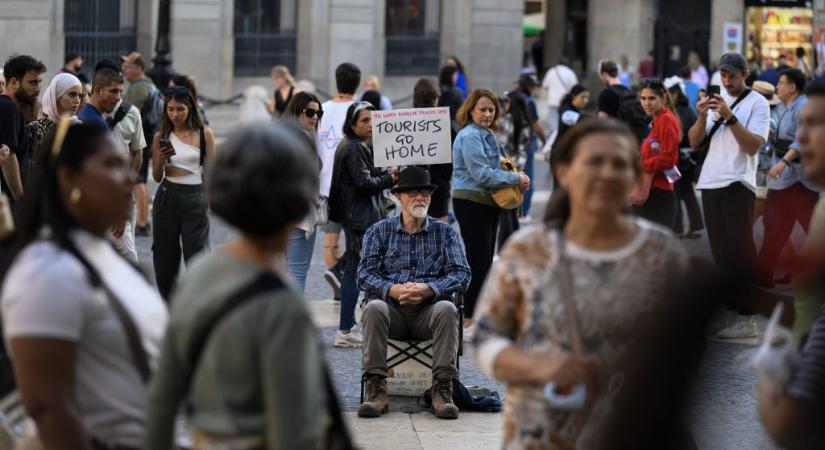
<point x="280" y="103"/>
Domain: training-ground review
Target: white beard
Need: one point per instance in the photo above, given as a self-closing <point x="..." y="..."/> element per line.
<point x="419" y="212"/>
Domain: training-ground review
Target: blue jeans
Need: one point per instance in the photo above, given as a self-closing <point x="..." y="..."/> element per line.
<point x="299" y="255"/>
<point x="528" y="170"/>
<point x="349" y="286"/>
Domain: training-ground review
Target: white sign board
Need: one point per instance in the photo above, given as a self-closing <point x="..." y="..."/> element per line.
<point x="732" y="38"/>
<point x="409" y="137"/>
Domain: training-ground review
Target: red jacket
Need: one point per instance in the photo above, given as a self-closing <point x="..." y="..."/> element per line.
<point x="666" y="136"/>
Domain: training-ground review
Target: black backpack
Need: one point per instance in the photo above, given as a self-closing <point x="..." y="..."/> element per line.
<point x="631" y="112"/>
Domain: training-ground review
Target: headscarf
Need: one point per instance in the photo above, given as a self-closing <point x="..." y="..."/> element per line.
<point x="60" y="84"/>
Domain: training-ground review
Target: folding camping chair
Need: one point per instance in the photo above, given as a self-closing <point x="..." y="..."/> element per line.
<point x="420" y="351"/>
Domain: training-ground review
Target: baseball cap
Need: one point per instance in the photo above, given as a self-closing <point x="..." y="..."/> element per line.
<point x="733" y="62"/>
<point x="527" y="79"/>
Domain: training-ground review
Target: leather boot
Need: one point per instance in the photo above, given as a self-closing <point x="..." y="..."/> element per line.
<point x="443" y="406"/>
<point x="376" y="402"/>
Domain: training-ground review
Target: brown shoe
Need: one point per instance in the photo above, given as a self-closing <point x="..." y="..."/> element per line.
<point x="443" y="406"/>
<point x="376" y="402"/>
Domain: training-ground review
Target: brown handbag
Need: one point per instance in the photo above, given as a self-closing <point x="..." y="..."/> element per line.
<point x="509" y="197"/>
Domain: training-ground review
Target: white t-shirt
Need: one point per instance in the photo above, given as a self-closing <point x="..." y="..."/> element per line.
<point x="558" y="81"/>
<point x="726" y="163"/>
<point x="47" y="294"/>
<point x="330" y="133"/>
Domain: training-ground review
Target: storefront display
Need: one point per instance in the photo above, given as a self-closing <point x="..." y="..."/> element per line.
<point x="776" y="31"/>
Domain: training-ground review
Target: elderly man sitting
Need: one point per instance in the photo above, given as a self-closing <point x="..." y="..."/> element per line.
<point x="409" y="264"/>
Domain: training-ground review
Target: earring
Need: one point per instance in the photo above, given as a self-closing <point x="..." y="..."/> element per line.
<point x="75" y="195"/>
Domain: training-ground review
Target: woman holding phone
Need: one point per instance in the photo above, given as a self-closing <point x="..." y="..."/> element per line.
<point x="179" y="152"/>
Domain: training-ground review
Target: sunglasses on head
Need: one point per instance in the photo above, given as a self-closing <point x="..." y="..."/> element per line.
<point x="310" y="113"/>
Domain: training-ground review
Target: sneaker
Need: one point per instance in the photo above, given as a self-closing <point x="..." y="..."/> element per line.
<point x="468" y="333"/>
<point x="334" y="283"/>
<point x="351" y="339"/>
<point x="144" y="231"/>
<point x="743" y="328"/>
<point x="525" y="220"/>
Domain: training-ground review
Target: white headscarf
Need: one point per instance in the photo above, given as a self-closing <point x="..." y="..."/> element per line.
<point x="60" y="84"/>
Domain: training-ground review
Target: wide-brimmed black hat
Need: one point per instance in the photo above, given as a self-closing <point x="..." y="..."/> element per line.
<point x="413" y="178"/>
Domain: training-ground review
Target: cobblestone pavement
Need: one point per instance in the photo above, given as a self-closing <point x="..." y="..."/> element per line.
<point x="723" y="403"/>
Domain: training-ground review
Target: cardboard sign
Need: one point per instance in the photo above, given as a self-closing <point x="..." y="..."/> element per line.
<point x="409" y="137"/>
<point x="410" y="378"/>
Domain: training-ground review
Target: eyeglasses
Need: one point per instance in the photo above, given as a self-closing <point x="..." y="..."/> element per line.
<point x="417" y="192"/>
<point x="310" y="113"/>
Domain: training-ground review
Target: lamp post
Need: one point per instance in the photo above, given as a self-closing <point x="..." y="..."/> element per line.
<point x="162" y="71"/>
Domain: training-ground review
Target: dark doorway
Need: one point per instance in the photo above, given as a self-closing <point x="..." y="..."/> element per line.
<point x="681" y="27"/>
<point x="575" y="36"/>
<point x="100" y="29"/>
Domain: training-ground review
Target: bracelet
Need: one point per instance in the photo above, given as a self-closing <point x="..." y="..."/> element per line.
<point x="785" y="161"/>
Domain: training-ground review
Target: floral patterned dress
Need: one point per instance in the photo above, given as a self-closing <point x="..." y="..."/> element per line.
<point x="521" y="306"/>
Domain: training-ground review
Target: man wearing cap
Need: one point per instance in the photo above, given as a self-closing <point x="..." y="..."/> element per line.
<point x="728" y="177"/>
<point x="410" y="267"/>
<point x="791" y="197"/>
<point x="527" y="82"/>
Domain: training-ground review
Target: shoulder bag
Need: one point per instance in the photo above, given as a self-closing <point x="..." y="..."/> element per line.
<point x="509" y="197"/>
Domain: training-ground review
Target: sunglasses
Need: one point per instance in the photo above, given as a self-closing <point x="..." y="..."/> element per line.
<point x="310" y="113"/>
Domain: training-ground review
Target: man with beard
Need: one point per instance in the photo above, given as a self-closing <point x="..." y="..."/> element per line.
<point x="410" y="267"/>
<point x="23" y="77"/>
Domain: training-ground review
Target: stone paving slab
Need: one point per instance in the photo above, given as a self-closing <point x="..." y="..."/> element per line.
<point x="402" y="431"/>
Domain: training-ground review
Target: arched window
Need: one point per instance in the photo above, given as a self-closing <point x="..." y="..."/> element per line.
<point x="100" y="29"/>
<point x="413" y="37"/>
<point x="264" y="35"/>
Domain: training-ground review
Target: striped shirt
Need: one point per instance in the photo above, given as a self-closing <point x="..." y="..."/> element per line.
<point x="808" y="381"/>
<point x="434" y="255"/>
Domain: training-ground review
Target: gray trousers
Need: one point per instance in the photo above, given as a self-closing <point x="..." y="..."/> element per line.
<point x="179" y="225"/>
<point x="381" y="321"/>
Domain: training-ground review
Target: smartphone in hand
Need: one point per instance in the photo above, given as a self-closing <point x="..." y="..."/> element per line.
<point x="714" y="90"/>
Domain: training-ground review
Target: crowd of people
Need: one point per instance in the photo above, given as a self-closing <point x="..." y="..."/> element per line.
<point x="103" y="358"/>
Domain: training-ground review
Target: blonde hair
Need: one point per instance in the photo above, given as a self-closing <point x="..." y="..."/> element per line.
<point x="283" y="72"/>
<point x="374" y="79"/>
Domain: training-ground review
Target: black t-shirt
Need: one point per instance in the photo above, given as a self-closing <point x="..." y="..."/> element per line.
<point x="13" y="134"/>
<point x="611" y="98"/>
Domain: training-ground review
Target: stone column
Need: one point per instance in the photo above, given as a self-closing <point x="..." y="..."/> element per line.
<point x="609" y="38"/>
<point x="721" y="12"/>
<point x="313" y="42"/>
<point x="33" y="27"/>
<point x="202" y="44"/>
<point x="147" y="28"/>
<point x="555" y="27"/>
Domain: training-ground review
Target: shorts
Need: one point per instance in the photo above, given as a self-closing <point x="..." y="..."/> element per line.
<point x="143" y="173"/>
<point x="331" y="227"/>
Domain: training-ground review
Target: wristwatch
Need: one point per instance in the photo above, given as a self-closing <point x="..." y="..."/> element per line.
<point x="732" y="120"/>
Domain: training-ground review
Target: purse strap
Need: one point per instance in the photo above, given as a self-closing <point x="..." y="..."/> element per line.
<point x="568" y="296"/>
<point x="718" y="124"/>
<point x="139" y="355"/>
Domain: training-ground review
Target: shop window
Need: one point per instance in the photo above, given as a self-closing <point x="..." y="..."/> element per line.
<point x="412" y="37"/>
<point x="264" y="32"/>
<point x="100" y="29"/>
<point x="779" y="31"/>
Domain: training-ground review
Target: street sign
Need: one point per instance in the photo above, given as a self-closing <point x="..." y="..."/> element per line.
<point x="409" y="137"/>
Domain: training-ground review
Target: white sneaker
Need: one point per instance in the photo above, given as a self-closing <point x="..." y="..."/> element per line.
<point x="743" y="328"/>
<point x="352" y="339"/>
<point x="468" y="333"/>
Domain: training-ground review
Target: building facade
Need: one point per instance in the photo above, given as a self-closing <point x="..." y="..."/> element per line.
<point x="229" y="44"/>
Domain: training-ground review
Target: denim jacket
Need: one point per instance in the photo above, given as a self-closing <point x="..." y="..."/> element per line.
<point x="476" y="162"/>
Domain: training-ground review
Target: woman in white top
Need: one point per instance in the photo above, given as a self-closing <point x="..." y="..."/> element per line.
<point x="179" y="151"/>
<point x="69" y="299"/>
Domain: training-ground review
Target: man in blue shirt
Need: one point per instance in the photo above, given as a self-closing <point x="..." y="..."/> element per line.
<point x="107" y="87"/>
<point x="691" y="88"/>
<point x="791" y="198"/>
<point x="409" y="264"/>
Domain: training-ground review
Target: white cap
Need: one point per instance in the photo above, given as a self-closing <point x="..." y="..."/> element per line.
<point x="673" y="81"/>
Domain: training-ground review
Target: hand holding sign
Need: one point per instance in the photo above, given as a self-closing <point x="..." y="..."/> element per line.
<point x="409" y="137"/>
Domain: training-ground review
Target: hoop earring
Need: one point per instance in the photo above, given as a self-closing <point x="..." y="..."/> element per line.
<point x="75" y="195"/>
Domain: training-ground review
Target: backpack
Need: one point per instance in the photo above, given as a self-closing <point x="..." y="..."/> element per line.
<point x="631" y="112"/>
<point x="152" y="110"/>
<point x="483" y="401"/>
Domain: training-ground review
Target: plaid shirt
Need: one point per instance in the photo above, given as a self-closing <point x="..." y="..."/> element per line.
<point x="434" y="255"/>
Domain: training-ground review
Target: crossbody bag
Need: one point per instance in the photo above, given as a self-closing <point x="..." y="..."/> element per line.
<point x="704" y="147"/>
